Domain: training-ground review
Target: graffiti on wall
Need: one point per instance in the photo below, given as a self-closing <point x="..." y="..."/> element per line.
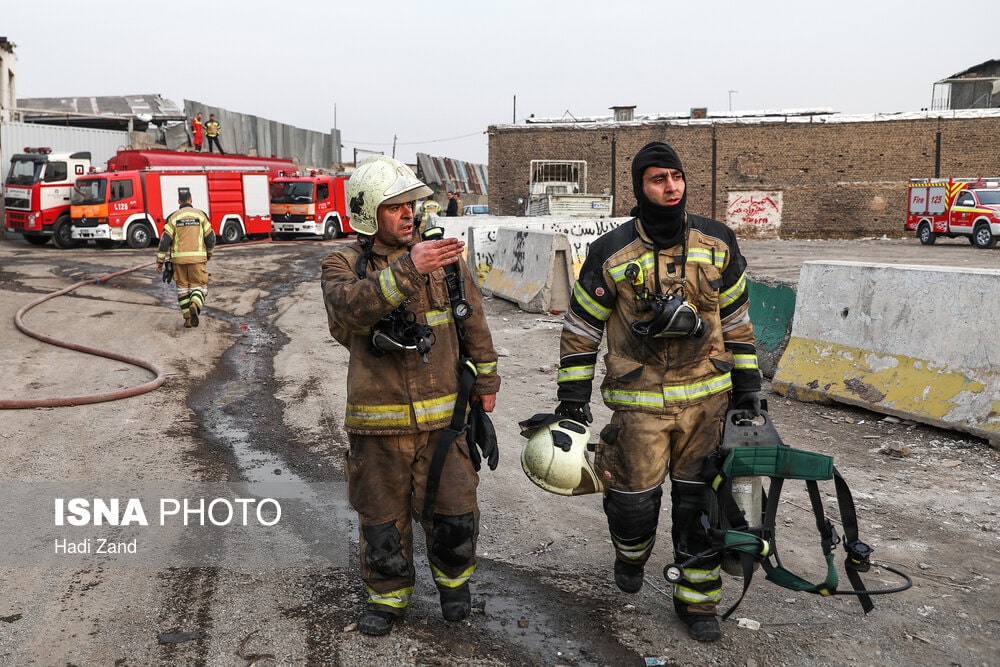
<point x="579" y="232"/>
<point x="756" y="210"/>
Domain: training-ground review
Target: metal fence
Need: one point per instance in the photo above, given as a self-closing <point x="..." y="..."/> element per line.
<point x="102" y="144"/>
<point x="252" y="135"/>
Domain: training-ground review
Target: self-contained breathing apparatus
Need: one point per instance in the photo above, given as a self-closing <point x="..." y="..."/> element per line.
<point x="748" y="450"/>
<point x="399" y="331"/>
<point x="673" y="315"/>
<point x="479" y="432"/>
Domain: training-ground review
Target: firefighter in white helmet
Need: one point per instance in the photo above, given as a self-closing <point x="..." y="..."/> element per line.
<point x="387" y="301"/>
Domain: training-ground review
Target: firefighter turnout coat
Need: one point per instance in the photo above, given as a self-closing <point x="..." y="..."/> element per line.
<point x="187" y="236"/>
<point x="659" y="375"/>
<point x="398" y="392"/>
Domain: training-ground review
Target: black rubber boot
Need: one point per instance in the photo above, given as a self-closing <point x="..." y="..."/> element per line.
<point x="194" y="310"/>
<point x="703" y="627"/>
<point x="376" y="623"/>
<point x="628" y="576"/>
<point x="456" y="603"/>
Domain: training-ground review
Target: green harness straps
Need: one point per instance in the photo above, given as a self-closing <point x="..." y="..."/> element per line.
<point x="757" y="451"/>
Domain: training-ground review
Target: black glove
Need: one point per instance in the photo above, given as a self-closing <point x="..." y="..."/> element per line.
<point x="748" y="401"/>
<point x="168" y="271"/>
<point x="481" y="436"/>
<point x="578" y="411"/>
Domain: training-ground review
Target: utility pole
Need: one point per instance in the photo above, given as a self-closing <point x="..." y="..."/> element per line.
<point x="731" y="99"/>
<point x="514" y="119"/>
<point x="394" y="146"/>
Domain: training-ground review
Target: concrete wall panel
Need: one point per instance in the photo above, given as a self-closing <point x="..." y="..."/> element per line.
<point x="532" y="269"/>
<point x="888" y="338"/>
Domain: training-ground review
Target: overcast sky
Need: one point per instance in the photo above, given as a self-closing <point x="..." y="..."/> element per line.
<point x="436" y="74"/>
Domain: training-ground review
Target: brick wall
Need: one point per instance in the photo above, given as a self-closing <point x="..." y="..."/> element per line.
<point x="837" y="180"/>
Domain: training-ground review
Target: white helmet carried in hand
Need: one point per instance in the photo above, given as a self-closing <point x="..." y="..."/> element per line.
<point x="380" y="180"/>
<point x="555" y="457"/>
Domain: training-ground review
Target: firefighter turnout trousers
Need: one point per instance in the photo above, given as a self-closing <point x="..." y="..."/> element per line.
<point x="192" y="286"/>
<point x="636" y="453"/>
<point x="387" y="478"/>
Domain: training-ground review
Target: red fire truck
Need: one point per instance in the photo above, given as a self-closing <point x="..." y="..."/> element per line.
<point x="132" y="206"/>
<point x="37" y="194"/>
<point x="126" y="160"/>
<point x="967" y="207"/>
<point x="313" y="204"/>
<point x="131" y="201"/>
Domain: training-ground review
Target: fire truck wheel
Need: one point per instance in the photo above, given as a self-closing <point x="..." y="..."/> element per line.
<point x="924" y="233"/>
<point x="230" y="232"/>
<point x="62" y="234"/>
<point x="139" y="236"/>
<point x="332" y="230"/>
<point x="984" y="237"/>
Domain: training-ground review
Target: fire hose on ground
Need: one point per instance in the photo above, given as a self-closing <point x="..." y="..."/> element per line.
<point x="14" y="404"/>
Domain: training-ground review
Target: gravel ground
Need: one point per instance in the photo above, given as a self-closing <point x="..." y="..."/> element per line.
<point x="257" y="393"/>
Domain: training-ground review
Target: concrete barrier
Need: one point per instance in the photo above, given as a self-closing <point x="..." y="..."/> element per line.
<point x="480" y="234"/>
<point x="533" y="269"/>
<point x="911" y="341"/>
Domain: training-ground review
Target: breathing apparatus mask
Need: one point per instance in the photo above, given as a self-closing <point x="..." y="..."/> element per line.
<point x="399" y="331"/>
<point x="673" y="317"/>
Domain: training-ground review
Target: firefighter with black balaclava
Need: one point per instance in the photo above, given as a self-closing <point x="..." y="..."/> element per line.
<point x="389" y="302"/>
<point x="668" y="289"/>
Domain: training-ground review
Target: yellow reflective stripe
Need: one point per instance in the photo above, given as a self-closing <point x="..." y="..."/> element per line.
<point x="193" y="253"/>
<point x="733" y="293"/>
<point x="646" y="262"/>
<point x="630" y="397"/>
<point x="377" y="415"/>
<point x="490" y="367"/>
<point x="436" y="317"/>
<point x="689" y="392"/>
<point x="633" y="551"/>
<point x="435" y="408"/>
<point x="441" y="579"/>
<point x="971" y="209"/>
<point x="707" y="256"/>
<point x="691" y="596"/>
<point x="591" y="306"/>
<point x="390" y="290"/>
<point x="746" y="361"/>
<point x="696" y="575"/>
<point x="396" y="599"/>
<point x="361" y="332"/>
<point x="571" y="373"/>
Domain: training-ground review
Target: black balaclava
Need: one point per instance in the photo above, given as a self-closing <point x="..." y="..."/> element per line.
<point x="663" y="224"/>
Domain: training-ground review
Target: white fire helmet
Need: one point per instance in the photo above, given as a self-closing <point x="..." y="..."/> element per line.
<point x="380" y="180"/>
<point x="555" y="457"/>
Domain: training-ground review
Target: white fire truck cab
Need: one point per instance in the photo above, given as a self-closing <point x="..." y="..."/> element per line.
<point x="37" y="194"/>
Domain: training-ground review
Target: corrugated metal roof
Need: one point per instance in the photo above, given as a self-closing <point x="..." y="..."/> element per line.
<point x="151" y="108"/>
<point x="445" y="173"/>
